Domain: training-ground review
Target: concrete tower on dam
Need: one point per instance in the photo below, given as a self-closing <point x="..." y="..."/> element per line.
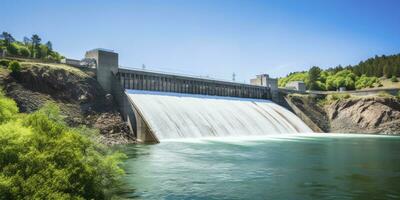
<point x="106" y="66"/>
<point x="116" y="80"/>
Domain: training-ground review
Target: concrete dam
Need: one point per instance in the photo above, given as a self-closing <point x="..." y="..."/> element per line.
<point x="160" y="106"/>
<point x="175" y="115"/>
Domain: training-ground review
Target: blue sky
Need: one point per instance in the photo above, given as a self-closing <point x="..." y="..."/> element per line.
<point x="214" y="38"/>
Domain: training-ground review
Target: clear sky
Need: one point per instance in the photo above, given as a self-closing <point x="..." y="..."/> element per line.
<point x="215" y="37"/>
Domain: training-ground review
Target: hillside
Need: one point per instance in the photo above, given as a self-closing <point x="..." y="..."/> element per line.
<point x="336" y="113"/>
<point x="379" y="71"/>
<point x="80" y="97"/>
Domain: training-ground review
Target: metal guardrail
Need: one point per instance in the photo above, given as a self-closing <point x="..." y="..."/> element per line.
<point x="179" y="74"/>
<point x="370" y="90"/>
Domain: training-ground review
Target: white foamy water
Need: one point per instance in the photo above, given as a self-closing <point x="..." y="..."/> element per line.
<point x="175" y="116"/>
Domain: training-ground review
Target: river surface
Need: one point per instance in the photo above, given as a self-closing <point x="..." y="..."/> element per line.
<point x="274" y="167"/>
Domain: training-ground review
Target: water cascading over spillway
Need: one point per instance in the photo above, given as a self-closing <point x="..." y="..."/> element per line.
<point x="176" y="115"/>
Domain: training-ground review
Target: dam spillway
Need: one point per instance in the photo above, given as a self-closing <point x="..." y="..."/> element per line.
<point x="177" y="115"/>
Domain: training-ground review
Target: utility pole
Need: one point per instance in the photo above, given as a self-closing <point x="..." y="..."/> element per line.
<point x="143" y="67"/>
<point x="233" y="77"/>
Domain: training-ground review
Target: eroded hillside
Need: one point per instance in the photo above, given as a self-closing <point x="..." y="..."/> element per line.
<point x="80" y="97"/>
<point x="379" y="114"/>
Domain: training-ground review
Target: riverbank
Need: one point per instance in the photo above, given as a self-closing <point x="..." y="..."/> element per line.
<point x="81" y="99"/>
<point x="336" y="113"/>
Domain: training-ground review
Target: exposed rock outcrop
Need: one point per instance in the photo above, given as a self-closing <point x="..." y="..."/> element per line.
<point x="372" y="114"/>
<point x="365" y="115"/>
<point x="308" y="110"/>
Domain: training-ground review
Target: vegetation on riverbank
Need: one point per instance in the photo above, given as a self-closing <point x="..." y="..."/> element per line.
<point x="28" y="48"/>
<point x="77" y="93"/>
<point x="367" y="74"/>
<point x="41" y="157"/>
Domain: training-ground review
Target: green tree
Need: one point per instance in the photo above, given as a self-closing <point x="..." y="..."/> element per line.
<point x="14" y="67"/>
<point x="365" y="81"/>
<point x="8" y="38"/>
<point x="296" y="76"/>
<point x="344" y="78"/>
<point x="23" y="51"/>
<point x="313" y="76"/>
<point x="12" y="49"/>
<point x="35" y="45"/>
<point x="44" y="51"/>
<point x="27" y="41"/>
<point x="49" y="46"/>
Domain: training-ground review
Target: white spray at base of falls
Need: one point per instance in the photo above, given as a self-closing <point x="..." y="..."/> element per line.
<point x="176" y="115"/>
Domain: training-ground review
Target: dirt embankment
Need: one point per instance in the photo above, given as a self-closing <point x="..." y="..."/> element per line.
<point x="372" y="114"/>
<point x="79" y="96"/>
<point x="308" y="107"/>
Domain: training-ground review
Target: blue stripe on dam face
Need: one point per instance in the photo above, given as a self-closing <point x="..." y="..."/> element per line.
<point x="272" y="167"/>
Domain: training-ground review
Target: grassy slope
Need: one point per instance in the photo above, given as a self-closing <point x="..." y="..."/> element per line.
<point x="65" y="67"/>
<point x="387" y="83"/>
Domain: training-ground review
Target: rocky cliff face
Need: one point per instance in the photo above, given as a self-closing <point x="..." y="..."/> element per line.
<point x="365" y="115"/>
<point x="79" y="96"/>
<point x="308" y="106"/>
<point x="375" y="115"/>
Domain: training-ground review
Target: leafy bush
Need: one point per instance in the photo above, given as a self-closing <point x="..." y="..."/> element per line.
<point x="321" y="86"/>
<point x="364" y="82"/>
<point x="384" y="95"/>
<point x="23" y="51"/>
<point x="42" y="158"/>
<point x="14" y="67"/>
<point x="8" y="108"/>
<point x="4" y="63"/>
<point x="337" y="96"/>
<point x="298" y="76"/>
<point x="12" y="49"/>
<point x="344" y="78"/>
<point x="394" y="79"/>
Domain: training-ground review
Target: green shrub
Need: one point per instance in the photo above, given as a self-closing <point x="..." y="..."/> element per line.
<point x="394" y="79"/>
<point x="4" y="63"/>
<point x="23" y="51"/>
<point x="365" y="82"/>
<point x="8" y="108"/>
<point x="384" y="94"/>
<point x="14" y="67"/>
<point x="344" y="78"/>
<point x="12" y="49"/>
<point x="42" y="158"/>
<point x="297" y="76"/>
<point x="337" y="96"/>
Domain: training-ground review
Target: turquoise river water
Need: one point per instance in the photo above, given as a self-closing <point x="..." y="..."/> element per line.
<point x="274" y="167"/>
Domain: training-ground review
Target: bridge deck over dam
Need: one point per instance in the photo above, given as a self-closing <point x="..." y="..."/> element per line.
<point x="138" y="79"/>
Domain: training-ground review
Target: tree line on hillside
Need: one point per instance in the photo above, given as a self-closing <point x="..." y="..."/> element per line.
<point x="28" y="48"/>
<point x="365" y="74"/>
